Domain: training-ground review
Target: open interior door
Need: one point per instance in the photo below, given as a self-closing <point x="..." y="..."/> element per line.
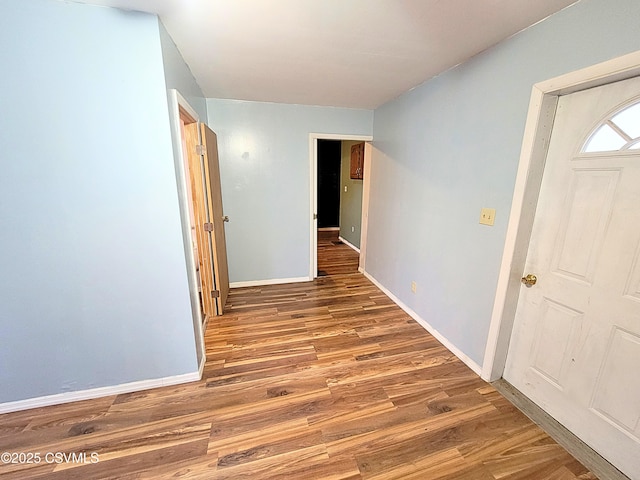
<point x="216" y="215"/>
<point x="201" y="220"/>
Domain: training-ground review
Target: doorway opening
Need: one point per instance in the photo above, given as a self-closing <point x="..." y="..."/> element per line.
<point x="339" y="201"/>
<point x="202" y="218"/>
<point x="503" y="340"/>
<point x="329" y="181"/>
<point x="340" y="184"/>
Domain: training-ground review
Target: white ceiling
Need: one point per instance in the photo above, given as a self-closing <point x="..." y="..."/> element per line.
<point x="347" y="53"/>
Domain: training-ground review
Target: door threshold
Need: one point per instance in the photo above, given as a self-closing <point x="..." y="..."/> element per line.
<point x="591" y="459"/>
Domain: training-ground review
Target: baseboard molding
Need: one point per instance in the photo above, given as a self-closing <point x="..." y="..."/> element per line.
<point x="349" y="244"/>
<point x="441" y="338"/>
<point x="274" y="281"/>
<point x="329" y="229"/>
<point x="92" y="393"/>
<point x="361" y="270"/>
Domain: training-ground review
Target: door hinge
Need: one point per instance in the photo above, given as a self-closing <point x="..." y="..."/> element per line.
<point x="208" y="227"/>
<point x="200" y="149"/>
<point x="215" y="293"/>
<point x="315" y="216"/>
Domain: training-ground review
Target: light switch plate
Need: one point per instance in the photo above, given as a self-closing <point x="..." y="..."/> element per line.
<point x="487" y="216"/>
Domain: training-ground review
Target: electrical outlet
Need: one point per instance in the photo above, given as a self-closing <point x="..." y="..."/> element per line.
<point x="487" y="216"/>
<point x="345" y="189"/>
<point x="353" y="229"/>
<point x="413" y="287"/>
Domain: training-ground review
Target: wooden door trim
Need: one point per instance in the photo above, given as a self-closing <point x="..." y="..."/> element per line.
<point x="366" y="192"/>
<point x="313" y="185"/>
<point x="539" y="123"/>
<point x="178" y="107"/>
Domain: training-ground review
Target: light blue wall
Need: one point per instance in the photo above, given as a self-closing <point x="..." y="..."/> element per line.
<point x="178" y="74"/>
<point x="451" y="146"/>
<point x="93" y="286"/>
<point x="264" y="165"/>
<point x="351" y="200"/>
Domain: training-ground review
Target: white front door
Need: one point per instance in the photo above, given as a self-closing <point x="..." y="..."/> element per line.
<point x="575" y="347"/>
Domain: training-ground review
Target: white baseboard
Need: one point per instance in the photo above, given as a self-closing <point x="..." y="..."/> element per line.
<point x="349" y="244"/>
<point x="441" y="338"/>
<point x="329" y="229"/>
<point x="273" y="281"/>
<point x="92" y="393"/>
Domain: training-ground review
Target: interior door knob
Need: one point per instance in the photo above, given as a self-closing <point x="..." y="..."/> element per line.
<point x="530" y="280"/>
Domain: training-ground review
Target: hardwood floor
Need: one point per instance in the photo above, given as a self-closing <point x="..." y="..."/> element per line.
<point x="322" y="380"/>
<point x="335" y="257"/>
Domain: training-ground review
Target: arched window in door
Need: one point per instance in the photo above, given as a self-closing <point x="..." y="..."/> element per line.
<point x="619" y="131"/>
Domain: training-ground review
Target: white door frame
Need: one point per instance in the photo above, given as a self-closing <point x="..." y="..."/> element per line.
<point x="177" y="103"/>
<point x="542" y="107"/>
<point x="313" y="201"/>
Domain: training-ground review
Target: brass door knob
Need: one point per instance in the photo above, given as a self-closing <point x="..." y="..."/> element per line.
<point x="529" y="280"/>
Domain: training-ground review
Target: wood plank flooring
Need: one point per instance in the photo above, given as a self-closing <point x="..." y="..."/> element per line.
<point x="335" y="257"/>
<point x="320" y="380"/>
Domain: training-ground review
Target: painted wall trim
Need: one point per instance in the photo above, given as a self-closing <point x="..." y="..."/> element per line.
<point x="349" y="244"/>
<point x="313" y="200"/>
<point x="538" y="127"/>
<point x="99" y="392"/>
<point x="273" y="281"/>
<point x="424" y="324"/>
